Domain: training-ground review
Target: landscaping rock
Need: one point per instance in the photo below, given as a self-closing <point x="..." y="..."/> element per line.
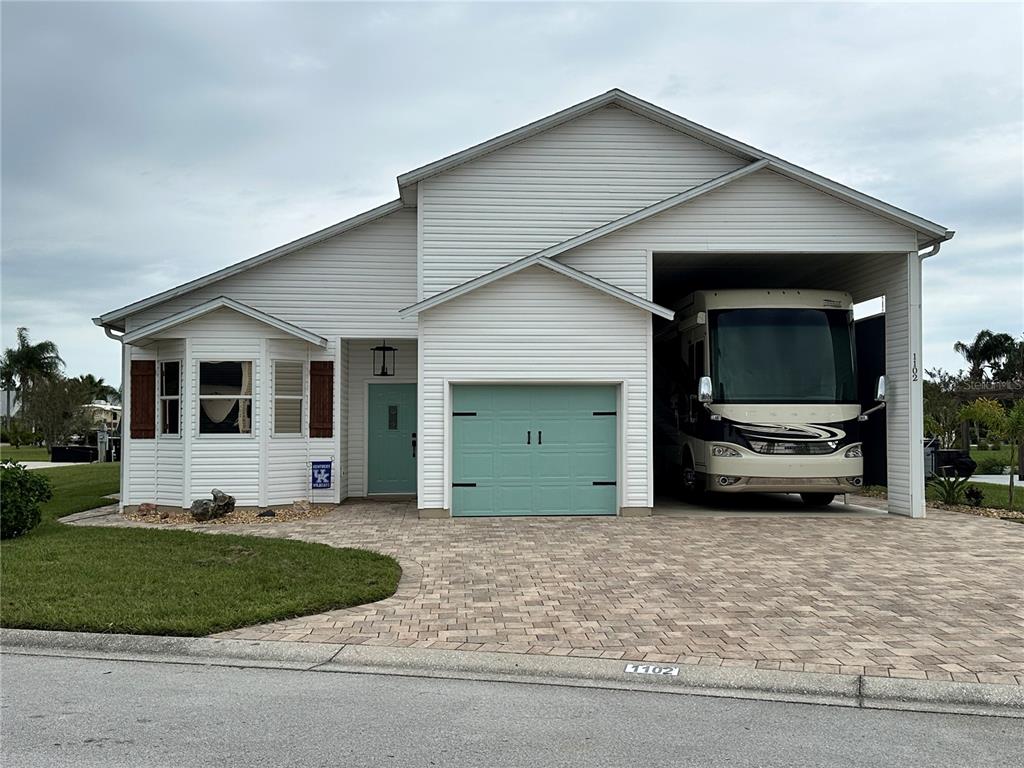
<point x="147" y="509"/>
<point x="205" y="509"/>
<point x="302" y="507"/>
<point x="266" y="513"/>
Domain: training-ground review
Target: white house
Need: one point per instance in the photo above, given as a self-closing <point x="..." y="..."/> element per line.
<point x="515" y="281"/>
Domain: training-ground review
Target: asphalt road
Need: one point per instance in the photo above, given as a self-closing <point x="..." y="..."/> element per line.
<point x="73" y="712"/>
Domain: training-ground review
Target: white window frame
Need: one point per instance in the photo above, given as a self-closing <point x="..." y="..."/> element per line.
<point x="251" y="434"/>
<point x="302" y="398"/>
<point x="161" y="397"/>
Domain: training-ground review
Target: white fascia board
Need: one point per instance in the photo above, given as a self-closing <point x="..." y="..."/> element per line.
<point x="312" y="239"/>
<point x="538" y="260"/>
<point x="859" y="199"/>
<point x="653" y="210"/>
<point x="688" y="127"/>
<point x="574" y="242"/>
<point x="219" y="303"/>
<point x="604" y="287"/>
<point x="410" y="178"/>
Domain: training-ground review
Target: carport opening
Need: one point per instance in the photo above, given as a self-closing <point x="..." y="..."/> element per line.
<point x="685" y="433"/>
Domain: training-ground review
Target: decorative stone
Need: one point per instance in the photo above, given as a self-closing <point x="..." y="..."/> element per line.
<point x="147" y="509"/>
<point x="302" y="506"/>
<point x="205" y="509"/>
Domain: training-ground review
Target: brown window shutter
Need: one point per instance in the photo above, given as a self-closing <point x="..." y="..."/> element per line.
<point x="321" y="398"/>
<point x="143" y="395"/>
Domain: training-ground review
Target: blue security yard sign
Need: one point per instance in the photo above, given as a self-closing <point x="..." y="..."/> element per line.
<point x="321" y="474"/>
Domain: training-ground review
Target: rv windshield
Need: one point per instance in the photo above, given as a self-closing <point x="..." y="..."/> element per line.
<point x="783" y="355"/>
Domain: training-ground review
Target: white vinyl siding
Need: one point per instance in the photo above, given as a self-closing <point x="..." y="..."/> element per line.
<point x="553" y="186"/>
<point x="360" y="373"/>
<point x="891" y="276"/>
<point x="762" y="213"/>
<point x="351" y="285"/>
<point x="535" y="326"/>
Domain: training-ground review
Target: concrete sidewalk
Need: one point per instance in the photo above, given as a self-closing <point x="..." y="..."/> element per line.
<point x="769" y="685"/>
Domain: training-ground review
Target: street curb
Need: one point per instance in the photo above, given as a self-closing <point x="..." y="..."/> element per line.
<point x="732" y="682"/>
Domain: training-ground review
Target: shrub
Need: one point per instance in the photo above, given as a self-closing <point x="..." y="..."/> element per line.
<point x="949" y="488"/>
<point x="974" y="496"/>
<point x="21" y="493"/>
<point x="990" y="465"/>
<point x="983" y="446"/>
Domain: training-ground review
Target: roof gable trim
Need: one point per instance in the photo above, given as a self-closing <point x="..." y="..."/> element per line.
<point x="536" y="260"/>
<point x="223" y="302"/>
<point x="201" y="282"/>
<point x="688" y="127"/>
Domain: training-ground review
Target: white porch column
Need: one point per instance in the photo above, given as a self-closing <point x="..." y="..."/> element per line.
<point x="905" y="396"/>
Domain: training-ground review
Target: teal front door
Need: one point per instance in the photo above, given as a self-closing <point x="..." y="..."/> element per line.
<point x="534" y="450"/>
<point x="391" y="447"/>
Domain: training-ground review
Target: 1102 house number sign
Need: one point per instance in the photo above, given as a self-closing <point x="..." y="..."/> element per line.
<point x="650" y="669"/>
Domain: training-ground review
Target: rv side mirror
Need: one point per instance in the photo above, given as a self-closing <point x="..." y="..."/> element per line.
<point x="704" y="389"/>
<point x="880" y="390"/>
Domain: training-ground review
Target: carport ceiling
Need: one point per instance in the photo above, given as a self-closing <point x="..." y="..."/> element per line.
<point x="677" y="274"/>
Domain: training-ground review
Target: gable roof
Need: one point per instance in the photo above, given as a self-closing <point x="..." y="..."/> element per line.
<point x="111" y="318"/>
<point x="538" y="260"/>
<point x="407" y="181"/>
<point x="223" y="302"/>
<point x="930" y="233"/>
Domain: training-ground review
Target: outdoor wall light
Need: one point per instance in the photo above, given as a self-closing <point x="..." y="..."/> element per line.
<point x="384" y="359"/>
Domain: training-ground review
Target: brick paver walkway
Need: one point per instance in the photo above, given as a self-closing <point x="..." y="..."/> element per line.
<point x="941" y="598"/>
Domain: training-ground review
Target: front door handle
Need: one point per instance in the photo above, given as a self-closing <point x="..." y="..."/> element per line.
<point x="414" y="445"/>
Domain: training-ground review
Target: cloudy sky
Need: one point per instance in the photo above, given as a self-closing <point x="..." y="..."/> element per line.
<point x="145" y="144"/>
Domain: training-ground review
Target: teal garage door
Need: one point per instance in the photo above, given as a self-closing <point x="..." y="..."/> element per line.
<point x="533" y="450"/>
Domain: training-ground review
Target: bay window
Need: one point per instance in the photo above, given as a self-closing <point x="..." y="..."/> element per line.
<point x="225" y="397"/>
<point x="288" y="396"/>
<point x="170" y="397"/>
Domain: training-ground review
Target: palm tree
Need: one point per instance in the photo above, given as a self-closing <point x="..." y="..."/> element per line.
<point x="28" y="363"/>
<point x="985" y="352"/>
<point x="98" y="389"/>
<point x="1012" y="368"/>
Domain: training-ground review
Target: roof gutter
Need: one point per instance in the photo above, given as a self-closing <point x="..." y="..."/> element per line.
<point x="936" y="245"/>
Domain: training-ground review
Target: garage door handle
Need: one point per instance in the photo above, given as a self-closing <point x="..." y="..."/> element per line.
<point x="414" y="445"/>
<point x="527" y="437"/>
<point x="540" y="437"/>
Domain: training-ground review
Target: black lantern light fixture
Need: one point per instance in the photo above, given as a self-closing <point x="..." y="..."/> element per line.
<point x="384" y="359"/>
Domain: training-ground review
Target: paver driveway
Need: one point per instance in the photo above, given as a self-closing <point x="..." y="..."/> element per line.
<point x="941" y="598"/>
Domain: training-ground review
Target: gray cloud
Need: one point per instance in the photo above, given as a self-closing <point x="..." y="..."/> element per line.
<point x="145" y="144"/>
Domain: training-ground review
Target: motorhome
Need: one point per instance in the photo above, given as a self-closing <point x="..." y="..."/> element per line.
<point x="756" y="391"/>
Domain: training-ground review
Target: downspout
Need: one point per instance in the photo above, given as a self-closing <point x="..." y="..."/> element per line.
<point x="122" y="480"/>
<point x="110" y="335"/>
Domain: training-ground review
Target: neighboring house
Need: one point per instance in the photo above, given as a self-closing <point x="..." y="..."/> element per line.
<point x="103" y="412"/>
<point x="531" y="259"/>
<point x="11" y="397"/>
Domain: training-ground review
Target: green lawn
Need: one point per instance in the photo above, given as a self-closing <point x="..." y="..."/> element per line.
<point x="998" y="496"/>
<point x="1003" y="454"/>
<point x="169" y="582"/>
<point x="24" y="453"/>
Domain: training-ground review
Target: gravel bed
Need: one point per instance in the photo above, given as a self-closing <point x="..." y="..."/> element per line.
<point x="301" y="510"/>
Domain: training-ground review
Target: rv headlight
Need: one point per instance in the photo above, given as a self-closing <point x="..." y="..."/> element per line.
<point x="855" y="451"/>
<point x="724" y="450"/>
